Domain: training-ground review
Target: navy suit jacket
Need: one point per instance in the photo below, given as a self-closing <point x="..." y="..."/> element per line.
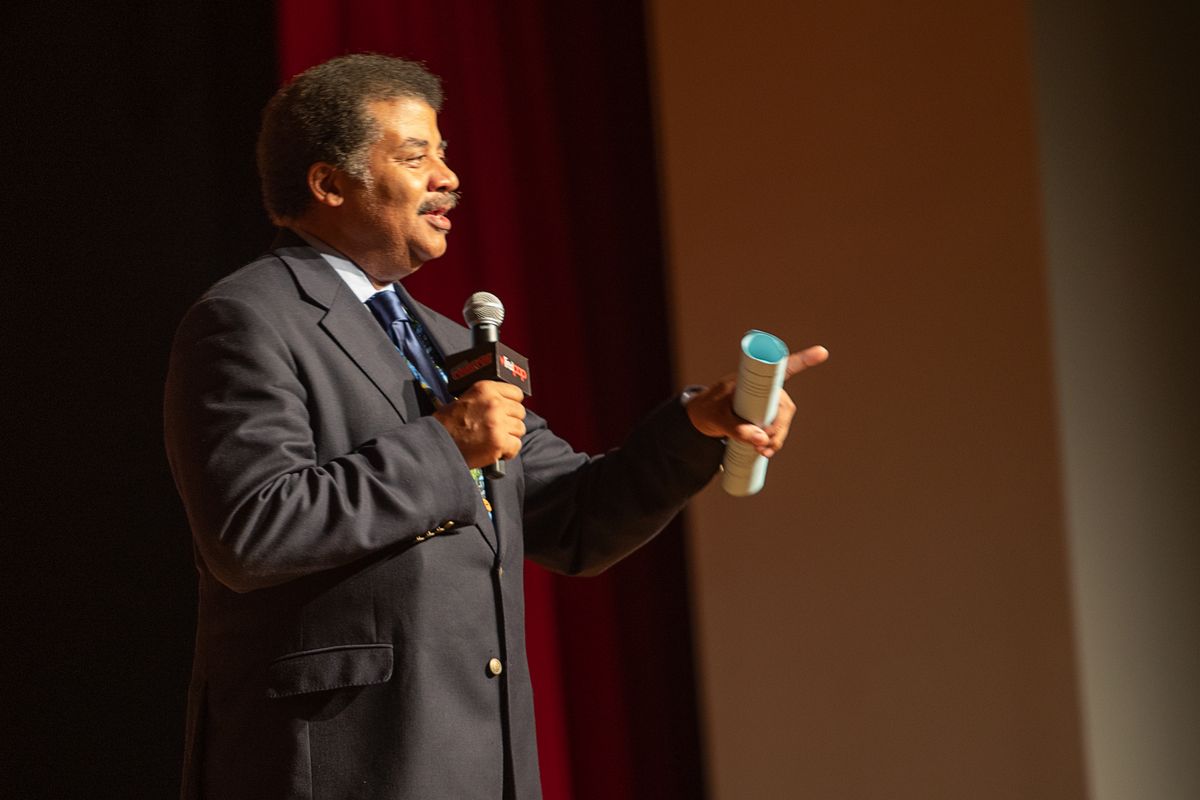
<point x="356" y="599"/>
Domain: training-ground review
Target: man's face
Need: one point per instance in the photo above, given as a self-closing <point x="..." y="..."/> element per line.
<point x="397" y="220"/>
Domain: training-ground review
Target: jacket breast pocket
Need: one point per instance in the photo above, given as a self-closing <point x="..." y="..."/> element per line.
<point x="325" y="668"/>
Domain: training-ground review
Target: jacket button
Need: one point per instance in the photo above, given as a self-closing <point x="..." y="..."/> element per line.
<point x="500" y="572"/>
<point x="495" y="667"/>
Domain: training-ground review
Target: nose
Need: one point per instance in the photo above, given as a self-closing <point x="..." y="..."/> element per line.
<point x="443" y="178"/>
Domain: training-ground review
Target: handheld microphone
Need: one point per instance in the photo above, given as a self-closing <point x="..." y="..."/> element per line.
<point x="483" y="312"/>
<point x="487" y="359"/>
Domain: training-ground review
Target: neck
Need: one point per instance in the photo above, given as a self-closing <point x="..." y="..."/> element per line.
<point x="374" y="265"/>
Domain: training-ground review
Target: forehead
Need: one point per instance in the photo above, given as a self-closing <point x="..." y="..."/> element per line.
<point x="405" y="119"/>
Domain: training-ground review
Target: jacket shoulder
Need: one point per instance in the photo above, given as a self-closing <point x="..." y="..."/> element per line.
<point x="261" y="279"/>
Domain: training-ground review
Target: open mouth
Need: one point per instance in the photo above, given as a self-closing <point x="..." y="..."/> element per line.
<point x="435" y="212"/>
<point x="437" y="218"/>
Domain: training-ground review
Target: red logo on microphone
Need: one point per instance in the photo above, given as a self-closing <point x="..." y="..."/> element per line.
<point x="467" y="367"/>
<point x="519" y="372"/>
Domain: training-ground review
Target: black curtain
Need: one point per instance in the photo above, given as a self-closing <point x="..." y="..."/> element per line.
<point x="131" y="128"/>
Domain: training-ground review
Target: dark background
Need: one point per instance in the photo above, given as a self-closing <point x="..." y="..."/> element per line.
<point x="132" y="135"/>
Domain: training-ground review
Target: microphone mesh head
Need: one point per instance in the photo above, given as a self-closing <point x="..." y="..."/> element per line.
<point x="483" y="308"/>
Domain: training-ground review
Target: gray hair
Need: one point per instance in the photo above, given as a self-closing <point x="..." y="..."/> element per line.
<point x="321" y="115"/>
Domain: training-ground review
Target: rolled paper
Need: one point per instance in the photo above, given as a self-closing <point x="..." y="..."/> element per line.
<point x="761" y="371"/>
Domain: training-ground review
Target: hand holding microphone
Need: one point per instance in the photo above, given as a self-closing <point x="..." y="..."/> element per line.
<point x="490" y="382"/>
<point x="486" y="422"/>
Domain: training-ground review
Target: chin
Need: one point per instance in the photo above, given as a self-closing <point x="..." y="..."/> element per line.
<point x="419" y="257"/>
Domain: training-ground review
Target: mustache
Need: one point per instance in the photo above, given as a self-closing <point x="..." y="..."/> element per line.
<point x="443" y="203"/>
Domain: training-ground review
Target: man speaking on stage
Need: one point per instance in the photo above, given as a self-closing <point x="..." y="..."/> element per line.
<point x="361" y="620"/>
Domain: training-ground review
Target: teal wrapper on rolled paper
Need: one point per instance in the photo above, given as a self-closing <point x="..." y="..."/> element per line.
<point x="761" y="371"/>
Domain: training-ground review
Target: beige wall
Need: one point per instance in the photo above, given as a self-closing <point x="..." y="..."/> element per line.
<point x="890" y="617"/>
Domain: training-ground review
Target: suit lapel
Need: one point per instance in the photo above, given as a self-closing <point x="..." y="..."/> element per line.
<point x="350" y="324"/>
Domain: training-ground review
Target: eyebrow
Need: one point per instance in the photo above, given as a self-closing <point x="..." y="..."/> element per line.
<point x="422" y="143"/>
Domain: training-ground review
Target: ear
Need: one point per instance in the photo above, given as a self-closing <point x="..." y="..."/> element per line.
<point x="325" y="182"/>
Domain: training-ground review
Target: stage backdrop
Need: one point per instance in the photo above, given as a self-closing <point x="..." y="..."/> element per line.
<point x="890" y="618"/>
<point x="973" y="573"/>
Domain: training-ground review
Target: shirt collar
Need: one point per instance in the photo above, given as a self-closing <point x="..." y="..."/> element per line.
<point x="354" y="277"/>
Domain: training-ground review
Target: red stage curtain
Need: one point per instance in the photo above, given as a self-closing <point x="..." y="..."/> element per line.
<point x="548" y="120"/>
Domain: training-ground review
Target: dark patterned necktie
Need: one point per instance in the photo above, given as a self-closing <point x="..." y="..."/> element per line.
<point x="393" y="317"/>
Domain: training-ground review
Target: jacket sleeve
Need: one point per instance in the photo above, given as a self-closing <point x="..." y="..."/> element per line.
<point x="582" y="514"/>
<point x="262" y="509"/>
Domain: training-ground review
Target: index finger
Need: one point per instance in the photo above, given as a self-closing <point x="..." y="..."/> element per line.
<point x="507" y="390"/>
<point x="803" y="359"/>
